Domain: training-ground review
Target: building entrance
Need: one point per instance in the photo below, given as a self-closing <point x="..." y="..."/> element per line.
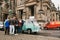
<point x="31" y="9"/>
<point x="21" y="13"/>
<point x="5" y="17"/>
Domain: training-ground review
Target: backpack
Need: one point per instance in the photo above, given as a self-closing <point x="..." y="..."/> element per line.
<point x="6" y="24"/>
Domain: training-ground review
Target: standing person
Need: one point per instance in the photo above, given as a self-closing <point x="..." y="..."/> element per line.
<point x="23" y="22"/>
<point x="20" y="26"/>
<point x="12" y="22"/>
<point x="16" y="26"/>
<point x="6" y="25"/>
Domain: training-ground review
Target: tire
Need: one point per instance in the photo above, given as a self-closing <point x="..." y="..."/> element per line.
<point x="22" y="31"/>
<point x="29" y="31"/>
<point x="58" y="28"/>
<point x="35" y="32"/>
<point x="45" y="28"/>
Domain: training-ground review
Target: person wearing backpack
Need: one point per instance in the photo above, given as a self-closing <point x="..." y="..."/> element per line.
<point x="6" y="26"/>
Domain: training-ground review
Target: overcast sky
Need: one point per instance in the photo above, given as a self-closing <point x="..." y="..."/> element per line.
<point x="56" y="2"/>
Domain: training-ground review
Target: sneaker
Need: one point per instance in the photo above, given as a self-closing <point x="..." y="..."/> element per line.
<point x="16" y="34"/>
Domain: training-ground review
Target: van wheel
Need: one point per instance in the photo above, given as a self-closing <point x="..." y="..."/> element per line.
<point x="35" y="32"/>
<point x="29" y="31"/>
<point x="58" y="28"/>
<point x="22" y="31"/>
<point x="45" y="28"/>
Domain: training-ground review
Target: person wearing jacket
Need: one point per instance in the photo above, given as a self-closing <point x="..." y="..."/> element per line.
<point x="16" y="26"/>
<point x="20" y="26"/>
<point x="12" y="23"/>
<point x="6" y="25"/>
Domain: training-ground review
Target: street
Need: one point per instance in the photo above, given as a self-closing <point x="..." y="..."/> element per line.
<point x="42" y="35"/>
<point x="30" y="15"/>
<point x="52" y="33"/>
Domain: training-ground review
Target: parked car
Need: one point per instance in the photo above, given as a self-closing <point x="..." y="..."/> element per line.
<point x="52" y="25"/>
<point x="30" y="27"/>
<point x="1" y="25"/>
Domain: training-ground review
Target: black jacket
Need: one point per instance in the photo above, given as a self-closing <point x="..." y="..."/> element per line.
<point x="12" y="22"/>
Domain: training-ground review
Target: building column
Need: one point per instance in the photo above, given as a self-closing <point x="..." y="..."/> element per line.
<point x="0" y="13"/>
<point x="27" y="12"/>
<point x="35" y="11"/>
<point x="17" y="14"/>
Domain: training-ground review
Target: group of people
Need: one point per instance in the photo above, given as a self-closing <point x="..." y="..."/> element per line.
<point x="12" y="24"/>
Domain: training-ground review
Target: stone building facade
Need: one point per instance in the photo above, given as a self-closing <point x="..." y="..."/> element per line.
<point x="32" y="7"/>
<point x="3" y="10"/>
<point x="5" y="7"/>
<point x="43" y="10"/>
<point x="27" y="8"/>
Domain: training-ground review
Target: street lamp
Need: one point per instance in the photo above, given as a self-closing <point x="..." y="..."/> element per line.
<point x="10" y="12"/>
<point x="10" y="8"/>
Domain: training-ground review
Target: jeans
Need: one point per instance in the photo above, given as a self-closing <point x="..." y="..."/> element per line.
<point x="12" y="29"/>
<point x="16" y="29"/>
<point x="7" y="30"/>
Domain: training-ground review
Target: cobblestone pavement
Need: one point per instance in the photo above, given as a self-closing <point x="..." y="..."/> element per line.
<point x="25" y="37"/>
<point x="53" y="33"/>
